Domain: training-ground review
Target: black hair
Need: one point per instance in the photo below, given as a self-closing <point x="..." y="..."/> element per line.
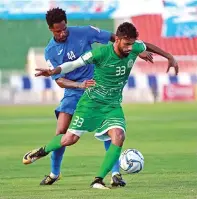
<point x="55" y="15"/>
<point x="127" y="30"/>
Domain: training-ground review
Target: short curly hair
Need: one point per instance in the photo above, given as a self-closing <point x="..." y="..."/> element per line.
<point x="55" y="15"/>
<point x="127" y="30"/>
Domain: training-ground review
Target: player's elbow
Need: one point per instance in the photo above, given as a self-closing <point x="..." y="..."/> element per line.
<point x="60" y="83"/>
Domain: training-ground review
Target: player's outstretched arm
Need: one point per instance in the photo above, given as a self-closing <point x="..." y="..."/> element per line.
<point x="63" y="68"/>
<point x="147" y="56"/>
<point x="171" y="60"/>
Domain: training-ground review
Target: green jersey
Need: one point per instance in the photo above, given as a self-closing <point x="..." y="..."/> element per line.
<point x="111" y="72"/>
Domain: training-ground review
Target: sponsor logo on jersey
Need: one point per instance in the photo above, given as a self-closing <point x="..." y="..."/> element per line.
<point x="60" y="52"/>
<point x="130" y="63"/>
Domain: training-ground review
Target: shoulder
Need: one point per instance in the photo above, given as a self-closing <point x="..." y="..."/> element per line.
<point x="87" y="29"/>
<point x="102" y="50"/>
<point x="139" y="43"/>
<point x="77" y="29"/>
<point x="139" y="46"/>
<point x="51" y="46"/>
<point x="106" y="48"/>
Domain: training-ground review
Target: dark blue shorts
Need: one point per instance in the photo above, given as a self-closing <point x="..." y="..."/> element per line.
<point x="67" y="105"/>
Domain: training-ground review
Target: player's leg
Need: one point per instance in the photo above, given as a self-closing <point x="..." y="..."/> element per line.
<point x="116" y="179"/>
<point x="77" y="127"/>
<point x="56" y="143"/>
<point x="64" y="113"/>
<point x="116" y="168"/>
<point x="87" y="117"/>
<point x="112" y="128"/>
<point x="111" y="156"/>
<point x="57" y="155"/>
<point x="82" y="120"/>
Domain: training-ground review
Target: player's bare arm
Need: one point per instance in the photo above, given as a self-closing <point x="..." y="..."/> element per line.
<point x="63" y="82"/>
<point x="147" y="56"/>
<point x="66" y="83"/>
<point x="65" y="68"/>
<point x="171" y="60"/>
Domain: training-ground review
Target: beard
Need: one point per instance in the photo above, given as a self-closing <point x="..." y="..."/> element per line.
<point x="123" y="53"/>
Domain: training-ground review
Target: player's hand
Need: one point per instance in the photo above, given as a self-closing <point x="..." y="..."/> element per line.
<point x="87" y="83"/>
<point x="43" y="72"/>
<point x="173" y="63"/>
<point x="147" y="56"/>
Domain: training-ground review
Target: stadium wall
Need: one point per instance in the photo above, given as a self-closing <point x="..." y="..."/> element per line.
<point x="140" y="88"/>
<point x="146" y="81"/>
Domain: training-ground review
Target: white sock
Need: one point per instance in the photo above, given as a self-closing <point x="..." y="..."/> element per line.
<point x="114" y="173"/>
<point x="52" y="175"/>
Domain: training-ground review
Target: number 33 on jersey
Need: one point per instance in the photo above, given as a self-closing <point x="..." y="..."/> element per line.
<point x="111" y="71"/>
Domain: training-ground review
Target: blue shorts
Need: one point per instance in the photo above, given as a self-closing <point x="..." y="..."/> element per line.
<point x="67" y="105"/>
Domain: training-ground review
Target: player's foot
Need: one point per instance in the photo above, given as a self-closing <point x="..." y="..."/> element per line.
<point x="34" y="155"/>
<point x="98" y="184"/>
<point x="48" y="180"/>
<point x="117" y="181"/>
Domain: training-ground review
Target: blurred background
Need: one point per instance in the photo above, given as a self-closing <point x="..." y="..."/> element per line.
<point x="170" y="24"/>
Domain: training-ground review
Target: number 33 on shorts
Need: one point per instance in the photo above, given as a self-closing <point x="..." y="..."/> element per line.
<point x="78" y="121"/>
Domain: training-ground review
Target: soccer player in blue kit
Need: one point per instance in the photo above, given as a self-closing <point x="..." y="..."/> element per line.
<point x="67" y="44"/>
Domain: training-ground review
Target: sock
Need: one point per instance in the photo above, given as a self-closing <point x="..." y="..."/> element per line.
<point x="53" y="176"/>
<point x="56" y="159"/>
<point x="111" y="156"/>
<point x="54" y="144"/>
<point x="116" y="168"/>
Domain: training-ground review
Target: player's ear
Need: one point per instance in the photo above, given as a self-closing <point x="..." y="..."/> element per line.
<point x="117" y="39"/>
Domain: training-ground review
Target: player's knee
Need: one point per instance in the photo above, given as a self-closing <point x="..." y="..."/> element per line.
<point x="118" y="137"/>
<point x="63" y="123"/>
<point x="69" y="139"/>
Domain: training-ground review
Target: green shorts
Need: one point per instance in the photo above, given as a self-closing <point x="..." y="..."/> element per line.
<point x="93" y="116"/>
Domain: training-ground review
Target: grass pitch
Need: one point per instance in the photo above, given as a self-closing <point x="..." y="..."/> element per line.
<point x="166" y="134"/>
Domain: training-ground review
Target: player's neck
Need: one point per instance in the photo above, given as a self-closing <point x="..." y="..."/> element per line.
<point x="117" y="52"/>
<point x="58" y="41"/>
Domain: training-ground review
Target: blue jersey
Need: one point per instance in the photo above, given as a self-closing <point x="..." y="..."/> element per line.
<point x="78" y="42"/>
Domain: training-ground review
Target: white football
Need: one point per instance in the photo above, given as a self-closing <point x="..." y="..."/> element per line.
<point x="131" y="161"/>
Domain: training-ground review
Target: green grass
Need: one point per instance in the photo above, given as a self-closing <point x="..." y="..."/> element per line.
<point x="166" y="134"/>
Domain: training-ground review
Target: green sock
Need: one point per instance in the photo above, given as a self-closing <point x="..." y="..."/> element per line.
<point x="111" y="157"/>
<point x="54" y="144"/>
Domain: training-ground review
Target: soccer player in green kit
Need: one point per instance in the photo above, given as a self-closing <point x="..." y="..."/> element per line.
<point x="99" y="109"/>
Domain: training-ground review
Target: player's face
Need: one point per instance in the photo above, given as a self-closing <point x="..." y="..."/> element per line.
<point x="125" y="45"/>
<point x="60" y="31"/>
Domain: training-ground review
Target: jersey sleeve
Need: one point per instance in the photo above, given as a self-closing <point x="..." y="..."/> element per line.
<point x="139" y="47"/>
<point x="92" y="57"/>
<point x="94" y="34"/>
<point x="51" y="63"/>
